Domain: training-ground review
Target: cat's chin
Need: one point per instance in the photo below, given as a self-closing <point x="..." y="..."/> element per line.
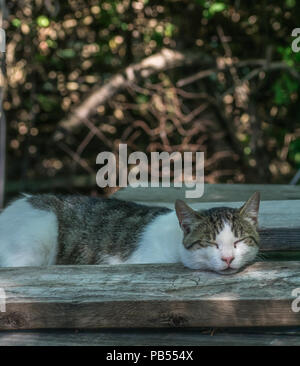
<point x="228" y="271"/>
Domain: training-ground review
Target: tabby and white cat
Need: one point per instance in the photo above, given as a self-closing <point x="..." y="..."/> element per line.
<point x="51" y="229"/>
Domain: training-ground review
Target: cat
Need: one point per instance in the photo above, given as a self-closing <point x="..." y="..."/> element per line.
<point x="48" y="229"/>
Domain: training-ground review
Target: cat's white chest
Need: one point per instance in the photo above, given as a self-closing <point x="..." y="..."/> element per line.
<point x="160" y="241"/>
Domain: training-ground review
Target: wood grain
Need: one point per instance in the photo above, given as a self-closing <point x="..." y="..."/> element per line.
<point x="162" y="337"/>
<point x="279" y="239"/>
<point x="212" y="193"/>
<point x="272" y="214"/>
<point x="153" y="296"/>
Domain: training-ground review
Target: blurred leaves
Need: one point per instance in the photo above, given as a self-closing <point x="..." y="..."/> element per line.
<point x="16" y="22"/>
<point x="59" y="52"/>
<point x="294" y="152"/>
<point x="66" y="53"/>
<point x="283" y="88"/>
<point x="43" y="21"/>
<point x="211" y="7"/>
<point x="47" y="104"/>
<point x="286" y="85"/>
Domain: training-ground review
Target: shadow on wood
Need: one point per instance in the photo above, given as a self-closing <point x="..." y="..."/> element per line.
<point x="155" y="296"/>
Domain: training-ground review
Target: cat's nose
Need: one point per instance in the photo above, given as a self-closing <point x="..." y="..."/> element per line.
<point x="228" y="260"/>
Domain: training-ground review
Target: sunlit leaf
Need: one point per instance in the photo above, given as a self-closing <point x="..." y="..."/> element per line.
<point x="216" y="8"/>
<point x="43" y="21"/>
<point x="16" y="22"/>
<point x="290" y="3"/>
<point x="66" y="53"/>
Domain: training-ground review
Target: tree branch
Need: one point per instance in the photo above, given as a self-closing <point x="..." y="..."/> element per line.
<point x="164" y="60"/>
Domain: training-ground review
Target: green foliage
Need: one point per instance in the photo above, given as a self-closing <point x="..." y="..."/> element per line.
<point x="291" y="58"/>
<point x="294" y="152"/>
<point x="16" y="22"/>
<point x="66" y="53"/>
<point x="43" y="21"/>
<point x="211" y="7"/>
<point x="142" y="99"/>
<point x="169" y="30"/>
<point x="290" y="3"/>
<point x="59" y="53"/>
<point x="47" y="103"/>
<point x="283" y="87"/>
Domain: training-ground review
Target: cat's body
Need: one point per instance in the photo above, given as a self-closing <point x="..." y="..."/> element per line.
<point x="53" y="229"/>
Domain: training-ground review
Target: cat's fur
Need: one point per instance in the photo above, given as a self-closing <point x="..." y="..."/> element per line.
<point x="53" y="229"/>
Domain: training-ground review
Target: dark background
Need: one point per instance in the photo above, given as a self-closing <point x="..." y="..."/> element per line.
<point x="233" y="93"/>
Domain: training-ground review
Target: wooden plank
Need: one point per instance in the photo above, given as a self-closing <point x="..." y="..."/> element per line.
<point x="280" y="256"/>
<point x="212" y="193"/>
<point x="42" y="185"/>
<point x="143" y="338"/>
<point x="272" y="214"/>
<point x="279" y="239"/>
<point x="155" y="296"/>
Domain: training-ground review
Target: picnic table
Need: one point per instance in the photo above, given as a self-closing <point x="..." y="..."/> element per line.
<point x="167" y="304"/>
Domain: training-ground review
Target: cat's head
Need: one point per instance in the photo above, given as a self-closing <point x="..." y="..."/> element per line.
<point x="220" y="239"/>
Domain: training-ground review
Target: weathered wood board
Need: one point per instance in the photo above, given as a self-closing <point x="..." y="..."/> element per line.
<point x="272" y="214"/>
<point x="212" y="193"/>
<point x="153" y="296"/>
<point x="163" y="337"/>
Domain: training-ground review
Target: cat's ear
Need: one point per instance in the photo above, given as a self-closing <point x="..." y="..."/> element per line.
<point x="186" y="215"/>
<point x="250" y="209"/>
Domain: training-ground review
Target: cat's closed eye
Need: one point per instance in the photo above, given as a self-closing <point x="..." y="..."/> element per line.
<point x="213" y="244"/>
<point x="198" y="244"/>
<point x="247" y="239"/>
<point x="237" y="242"/>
